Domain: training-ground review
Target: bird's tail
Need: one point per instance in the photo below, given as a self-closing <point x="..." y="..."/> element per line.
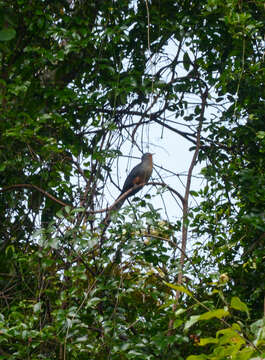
<point x="117" y="205"/>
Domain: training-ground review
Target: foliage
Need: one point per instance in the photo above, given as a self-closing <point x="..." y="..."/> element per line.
<point x="81" y="83"/>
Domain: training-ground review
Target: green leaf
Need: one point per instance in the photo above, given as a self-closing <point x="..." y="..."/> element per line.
<point x="180" y="311"/>
<point x="193" y="319"/>
<point x="7" y="34"/>
<point x="37" y="307"/>
<point x="78" y="210"/>
<point x="209" y="340"/>
<point x="246" y="354"/>
<point x="194" y="193"/>
<point x="186" y="61"/>
<point x="67" y="209"/>
<point x="258" y="329"/>
<point x="2" y="167"/>
<point x="231" y="338"/>
<point x="179" y="288"/>
<point x="237" y="304"/>
<point x="177" y="323"/>
<point x="261" y="134"/>
<point x="219" y="313"/>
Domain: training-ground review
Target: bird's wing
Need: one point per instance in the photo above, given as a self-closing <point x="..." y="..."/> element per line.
<point x="130" y="180"/>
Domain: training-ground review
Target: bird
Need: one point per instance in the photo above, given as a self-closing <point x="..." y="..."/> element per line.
<point x="140" y="174"/>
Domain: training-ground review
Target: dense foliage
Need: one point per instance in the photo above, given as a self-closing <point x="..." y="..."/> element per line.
<point x="81" y="83"/>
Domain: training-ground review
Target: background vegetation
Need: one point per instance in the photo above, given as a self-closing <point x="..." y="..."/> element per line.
<point x="79" y="81"/>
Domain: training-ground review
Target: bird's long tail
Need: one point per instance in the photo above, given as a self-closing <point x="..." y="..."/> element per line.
<point x="117" y="205"/>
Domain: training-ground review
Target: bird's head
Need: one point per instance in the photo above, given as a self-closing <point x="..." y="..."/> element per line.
<point x="147" y="156"/>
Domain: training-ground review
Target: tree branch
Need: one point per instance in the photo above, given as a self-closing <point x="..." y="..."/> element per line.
<point x="186" y="205"/>
<point x="31" y="186"/>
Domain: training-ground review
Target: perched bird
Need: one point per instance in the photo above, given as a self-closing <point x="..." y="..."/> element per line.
<point x="140" y="174"/>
